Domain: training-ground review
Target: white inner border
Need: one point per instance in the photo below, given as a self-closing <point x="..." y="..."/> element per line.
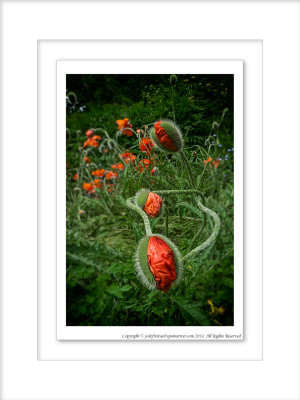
<point x="49" y="348"/>
<point x="153" y="332"/>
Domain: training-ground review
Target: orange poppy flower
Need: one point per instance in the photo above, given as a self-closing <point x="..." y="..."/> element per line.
<point x="146" y="145"/>
<point x="143" y="163"/>
<point x="123" y="124"/>
<point x="99" y="172"/>
<point x="118" y="166"/>
<point x="111" y="175"/>
<point x="88" y="187"/>
<point x="97" y="183"/>
<point x="216" y="163"/>
<point x="212" y="162"/>
<point x="93" y="142"/>
<point x="128" y="157"/>
<point x="75" y="177"/>
<point x="87" y="159"/>
<point x="161" y="262"/>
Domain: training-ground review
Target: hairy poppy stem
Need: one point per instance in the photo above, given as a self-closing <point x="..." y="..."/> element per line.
<point x="188" y="169"/>
<point x="130" y="204"/>
<point x="173" y="104"/>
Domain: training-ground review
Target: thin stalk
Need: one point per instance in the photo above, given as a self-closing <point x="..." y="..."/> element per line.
<point x="188" y="169"/>
<point x="173" y="104"/>
<point x="167" y="222"/>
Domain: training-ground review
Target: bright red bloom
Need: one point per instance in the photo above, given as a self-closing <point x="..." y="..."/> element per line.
<point x="123" y="124"/>
<point x="153" y="205"/>
<point x="146" y="145"/>
<point x="75" y="177"/>
<point x="87" y="159"/>
<point x="163" y="137"/>
<point x="111" y="175"/>
<point x="161" y="262"/>
<point x="99" y="172"/>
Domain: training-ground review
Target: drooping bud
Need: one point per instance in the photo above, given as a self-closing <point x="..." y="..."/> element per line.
<point x="158" y="263"/>
<point x="149" y="202"/>
<point x="89" y="133"/>
<point x="173" y="80"/>
<point x="167" y="136"/>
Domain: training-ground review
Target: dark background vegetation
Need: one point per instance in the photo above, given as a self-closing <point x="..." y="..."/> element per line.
<point x="102" y="234"/>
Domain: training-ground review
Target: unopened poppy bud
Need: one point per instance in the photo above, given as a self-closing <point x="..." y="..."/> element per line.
<point x="150" y="202"/>
<point x="89" y="133"/>
<point x="158" y="263"/>
<point x="173" y="80"/>
<point x="167" y="136"/>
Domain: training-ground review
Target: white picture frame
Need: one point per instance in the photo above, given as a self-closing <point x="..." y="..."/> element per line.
<point x="25" y="373"/>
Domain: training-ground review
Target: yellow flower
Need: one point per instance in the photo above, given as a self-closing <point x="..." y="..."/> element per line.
<point x="209" y="301"/>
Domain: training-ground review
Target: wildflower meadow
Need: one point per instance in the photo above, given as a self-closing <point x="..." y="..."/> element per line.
<point x="150" y="200"/>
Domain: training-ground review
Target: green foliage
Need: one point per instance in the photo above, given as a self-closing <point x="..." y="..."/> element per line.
<point x="103" y="234"/>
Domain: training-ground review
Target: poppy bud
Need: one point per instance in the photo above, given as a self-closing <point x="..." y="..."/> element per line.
<point x="158" y="263"/>
<point x="173" y="80"/>
<point x="89" y="133"/>
<point x="150" y="202"/>
<point x="167" y="136"/>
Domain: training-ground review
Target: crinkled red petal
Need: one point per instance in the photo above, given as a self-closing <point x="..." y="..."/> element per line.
<point x="161" y="262"/>
<point x="163" y="137"/>
<point x="153" y="205"/>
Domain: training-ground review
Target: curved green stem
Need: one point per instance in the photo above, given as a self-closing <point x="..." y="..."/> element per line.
<point x="134" y="207"/>
<point x="214" y="215"/>
<point x="212" y="237"/>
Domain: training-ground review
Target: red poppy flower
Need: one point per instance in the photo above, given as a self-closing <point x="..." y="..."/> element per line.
<point x="163" y="137"/>
<point x="153" y="205"/>
<point x="75" y="177"/>
<point x="161" y="263"/>
<point x="87" y="159"/>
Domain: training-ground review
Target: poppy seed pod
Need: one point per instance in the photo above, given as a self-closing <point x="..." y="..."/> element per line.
<point x="150" y="202"/>
<point x="158" y="263"/>
<point x="167" y="136"/>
